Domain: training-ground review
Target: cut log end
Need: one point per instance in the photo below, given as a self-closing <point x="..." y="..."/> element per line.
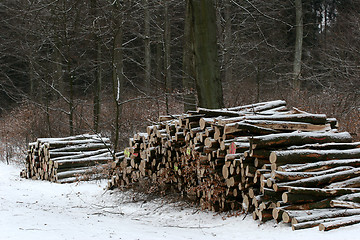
<point x="272" y="157"/>
<point x="285" y="217"/>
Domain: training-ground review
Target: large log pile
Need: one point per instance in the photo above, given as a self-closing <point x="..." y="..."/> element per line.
<point x="265" y="159"/>
<point x="69" y="159"/>
<point x="262" y="159"/>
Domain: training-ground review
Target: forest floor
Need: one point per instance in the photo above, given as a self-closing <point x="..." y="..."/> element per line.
<point x="37" y="210"/>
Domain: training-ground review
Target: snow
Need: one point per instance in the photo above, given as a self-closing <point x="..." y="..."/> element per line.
<point x="37" y="209"/>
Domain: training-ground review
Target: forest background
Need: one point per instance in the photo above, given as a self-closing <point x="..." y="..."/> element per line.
<point x="112" y="67"/>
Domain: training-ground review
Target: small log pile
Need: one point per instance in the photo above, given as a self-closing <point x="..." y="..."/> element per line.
<point x="304" y="179"/>
<point x="70" y="159"/>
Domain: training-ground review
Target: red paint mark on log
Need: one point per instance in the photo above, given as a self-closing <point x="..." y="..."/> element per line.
<point x="232" y="148"/>
<point x="318" y="139"/>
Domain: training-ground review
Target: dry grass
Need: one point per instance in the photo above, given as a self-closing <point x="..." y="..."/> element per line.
<point x="29" y="121"/>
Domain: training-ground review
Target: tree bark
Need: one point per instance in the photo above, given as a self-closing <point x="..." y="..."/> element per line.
<point x="292" y="176"/>
<point x="299" y="28"/>
<point x="328" y="146"/>
<point x="304" y="118"/>
<point x="289" y="126"/>
<point x="189" y="62"/>
<point x="97" y="87"/>
<point x="344" y="204"/>
<point x="245" y="127"/>
<point x="308" y="156"/>
<point x="66" y="143"/>
<point x="350" y="183"/>
<point x="208" y="82"/>
<point x="117" y="69"/>
<point x="322" y="192"/>
<point x="227" y="43"/>
<point x="71" y="100"/>
<point x="320" y="181"/>
<point x="325" y="215"/>
<point x="167" y="40"/>
<point x="311" y="224"/>
<point x="95" y="153"/>
<point x="296" y="138"/>
<point x="84" y="147"/>
<point x="318" y="166"/>
<point x="346" y="221"/>
<point x="147" y="56"/>
<point x="98" y="71"/>
<point x="83" y="162"/>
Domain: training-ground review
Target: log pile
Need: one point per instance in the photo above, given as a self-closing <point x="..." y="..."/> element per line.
<point x="69" y="159"/>
<point x="250" y="158"/>
<point x="189" y="153"/>
<point x="307" y="178"/>
<point x="262" y="159"/>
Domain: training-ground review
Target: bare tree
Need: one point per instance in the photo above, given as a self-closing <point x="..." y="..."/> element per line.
<point x="147" y="40"/>
<point x="208" y="83"/>
<point x="189" y="62"/>
<point x="117" y="66"/>
<point x="298" y="44"/>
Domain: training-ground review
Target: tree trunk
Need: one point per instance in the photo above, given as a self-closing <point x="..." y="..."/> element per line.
<point x="208" y="83"/>
<point x="322" y="192"/>
<point x="320" y="181"/>
<point x="304" y="118"/>
<point x="296" y="138"/>
<point x="117" y="69"/>
<point x="71" y="101"/>
<point x="227" y="43"/>
<point x="147" y="45"/>
<point x="97" y="53"/>
<point x="83" y="148"/>
<point x="325" y="215"/>
<point x="351" y="183"/>
<point x="97" y="153"/>
<point x="292" y="176"/>
<point x="167" y="38"/>
<point x="82" y="162"/>
<point x="188" y="62"/>
<point x="311" y="224"/>
<point x="308" y="156"/>
<point x="344" y="204"/>
<point x="346" y="221"/>
<point x="318" y="166"/>
<point x="246" y="128"/>
<point x="58" y="68"/>
<point x="298" y="44"/>
<point x="289" y="126"/>
<point x="97" y="87"/>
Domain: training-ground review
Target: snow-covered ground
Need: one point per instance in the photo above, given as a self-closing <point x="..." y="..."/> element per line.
<point x="43" y="210"/>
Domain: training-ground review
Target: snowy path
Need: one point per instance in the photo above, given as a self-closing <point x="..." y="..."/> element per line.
<point x="36" y="209"/>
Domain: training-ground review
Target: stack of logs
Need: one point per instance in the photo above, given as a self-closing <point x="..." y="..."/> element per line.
<point x="265" y="159"/>
<point x="305" y="179"/>
<point x="69" y="159"/>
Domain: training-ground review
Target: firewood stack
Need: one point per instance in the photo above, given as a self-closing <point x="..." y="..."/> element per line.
<point x="305" y="174"/>
<point x="69" y="159"/>
<point x="264" y="159"/>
